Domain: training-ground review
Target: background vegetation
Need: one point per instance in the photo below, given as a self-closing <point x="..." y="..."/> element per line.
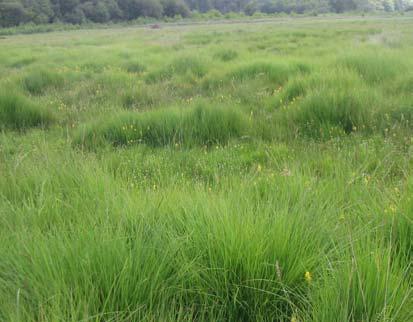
<point x="16" y="12"/>
<point x="220" y="172"/>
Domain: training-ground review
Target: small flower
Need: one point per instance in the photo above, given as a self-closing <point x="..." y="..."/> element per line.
<point x="308" y="277"/>
<point x="259" y="168"/>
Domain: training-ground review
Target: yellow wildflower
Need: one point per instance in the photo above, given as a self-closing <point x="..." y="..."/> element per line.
<point x="308" y="277"/>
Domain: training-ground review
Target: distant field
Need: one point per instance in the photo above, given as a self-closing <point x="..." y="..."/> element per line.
<point x="256" y="171"/>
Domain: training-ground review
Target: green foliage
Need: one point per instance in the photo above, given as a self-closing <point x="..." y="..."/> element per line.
<point x="172" y="8"/>
<point x="18" y="113"/>
<point x="16" y="12"/>
<point x="12" y="14"/>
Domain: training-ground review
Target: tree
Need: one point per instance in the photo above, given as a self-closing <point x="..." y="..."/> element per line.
<point x="95" y="11"/>
<point x="68" y="6"/>
<point x="342" y="5"/>
<point x="76" y="16"/>
<point x="172" y="8"/>
<point x="141" y="8"/>
<point x="250" y="8"/>
<point x="12" y="14"/>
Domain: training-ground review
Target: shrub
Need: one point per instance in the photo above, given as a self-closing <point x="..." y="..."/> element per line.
<point x="203" y="125"/>
<point x="17" y="112"/>
<point x="38" y="81"/>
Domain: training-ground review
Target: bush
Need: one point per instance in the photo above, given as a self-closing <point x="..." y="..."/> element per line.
<point x="18" y="113"/>
<point x="38" y="81"/>
<point x="198" y="126"/>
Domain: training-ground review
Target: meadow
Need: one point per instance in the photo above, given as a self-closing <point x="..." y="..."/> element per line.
<point x="212" y="172"/>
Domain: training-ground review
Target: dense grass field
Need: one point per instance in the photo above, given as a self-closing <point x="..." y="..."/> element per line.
<point x="217" y="172"/>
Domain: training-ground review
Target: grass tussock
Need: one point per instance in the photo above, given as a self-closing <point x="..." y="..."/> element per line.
<point x="374" y="66"/>
<point x="202" y="125"/>
<point x="226" y="55"/>
<point x="39" y="81"/>
<point x="324" y="105"/>
<point x="276" y="73"/>
<point x="333" y="112"/>
<point x="180" y="66"/>
<point x="134" y="67"/>
<point x="367" y="288"/>
<point x="23" y="62"/>
<point x="19" y="113"/>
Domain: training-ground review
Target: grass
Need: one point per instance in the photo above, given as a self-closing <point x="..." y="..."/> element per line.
<point x="218" y="172"/>
<point x="180" y="66"/>
<point x="202" y="125"/>
<point x="38" y="81"/>
<point x="19" y="113"/>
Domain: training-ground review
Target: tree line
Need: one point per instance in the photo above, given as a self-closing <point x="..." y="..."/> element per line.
<point x="16" y="12"/>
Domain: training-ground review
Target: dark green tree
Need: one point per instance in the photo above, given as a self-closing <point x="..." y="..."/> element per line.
<point x="12" y="14"/>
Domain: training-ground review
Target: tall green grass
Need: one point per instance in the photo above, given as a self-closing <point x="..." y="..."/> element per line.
<point x="18" y="112"/>
<point x="202" y="125"/>
<point x="180" y="66"/>
<point x="38" y="81"/>
<point x="375" y="66"/>
<point x="221" y="172"/>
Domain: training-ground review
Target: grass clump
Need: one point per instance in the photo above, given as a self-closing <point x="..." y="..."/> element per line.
<point x="364" y="288"/>
<point x="18" y="113"/>
<point x="226" y="55"/>
<point x="274" y="72"/>
<point x="180" y="66"/>
<point x="23" y="62"/>
<point x="134" y="67"/>
<point x="325" y="113"/>
<point x="202" y="125"/>
<point x="374" y="67"/>
<point x="38" y="81"/>
<point x="329" y="103"/>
